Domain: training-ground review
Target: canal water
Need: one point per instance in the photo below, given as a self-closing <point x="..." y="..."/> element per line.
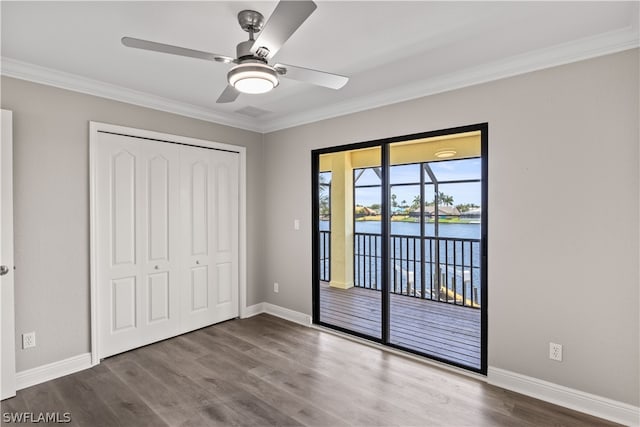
<point x="459" y="230"/>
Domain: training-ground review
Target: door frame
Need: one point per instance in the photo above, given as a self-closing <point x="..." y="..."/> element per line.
<point x="7" y="290"/>
<point x="97" y="127"/>
<point x="384" y="145"/>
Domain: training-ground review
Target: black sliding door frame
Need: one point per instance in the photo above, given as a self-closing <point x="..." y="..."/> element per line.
<point x="384" y="145"/>
<point x="315" y="221"/>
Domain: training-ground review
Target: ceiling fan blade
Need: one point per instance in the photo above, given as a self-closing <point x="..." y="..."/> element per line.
<point x="174" y="50"/>
<point x="229" y="94"/>
<point x="283" y="22"/>
<point x="319" y="78"/>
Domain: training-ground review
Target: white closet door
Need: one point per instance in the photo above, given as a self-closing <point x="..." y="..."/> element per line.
<point x="209" y="201"/>
<point x="137" y="217"/>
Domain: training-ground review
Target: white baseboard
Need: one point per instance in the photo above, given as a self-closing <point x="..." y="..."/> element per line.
<point x="52" y="371"/>
<point x="287" y="314"/>
<point x="588" y="403"/>
<point x="252" y="310"/>
<point x="276" y="310"/>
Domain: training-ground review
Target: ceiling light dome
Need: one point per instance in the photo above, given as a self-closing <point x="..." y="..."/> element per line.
<point x="253" y="78"/>
<point x="445" y="154"/>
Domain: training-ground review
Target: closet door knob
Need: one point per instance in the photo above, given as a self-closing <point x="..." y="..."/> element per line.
<point x="3" y="270"/>
<point x="156" y="267"/>
<point x="197" y="262"/>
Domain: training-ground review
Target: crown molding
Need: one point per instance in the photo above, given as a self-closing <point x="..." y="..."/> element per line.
<point x="60" y="79"/>
<point x="577" y="50"/>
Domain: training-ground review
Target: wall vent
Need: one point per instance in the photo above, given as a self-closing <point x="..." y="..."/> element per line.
<point x="252" y="111"/>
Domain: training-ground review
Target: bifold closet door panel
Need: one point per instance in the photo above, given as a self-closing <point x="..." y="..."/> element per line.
<point x="209" y="203"/>
<point x="137" y="226"/>
<point x="226" y="166"/>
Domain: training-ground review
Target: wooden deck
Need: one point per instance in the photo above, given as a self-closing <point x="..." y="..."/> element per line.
<point x="430" y="327"/>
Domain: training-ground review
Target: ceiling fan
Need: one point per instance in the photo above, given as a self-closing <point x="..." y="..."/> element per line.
<point x="252" y="73"/>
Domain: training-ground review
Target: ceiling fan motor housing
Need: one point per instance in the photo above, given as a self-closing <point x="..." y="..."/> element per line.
<point x="243" y="52"/>
<point x="250" y="21"/>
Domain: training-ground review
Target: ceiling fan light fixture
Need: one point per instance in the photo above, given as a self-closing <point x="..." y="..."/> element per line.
<point x="253" y="78"/>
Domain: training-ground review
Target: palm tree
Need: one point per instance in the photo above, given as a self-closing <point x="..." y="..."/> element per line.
<point x="415" y="204"/>
<point x="445" y="199"/>
<point x="324" y="194"/>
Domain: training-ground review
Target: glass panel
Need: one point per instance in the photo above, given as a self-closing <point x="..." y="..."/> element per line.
<point x="404" y="174"/>
<point x="367" y="209"/>
<point x="429" y="197"/>
<point x="324" y="177"/>
<point x="350" y="298"/>
<point x="324" y="195"/>
<point x="434" y="277"/>
<point x="406" y="212"/>
<point x="455" y="170"/>
<point x="367" y="176"/>
<point x="459" y="210"/>
<point x="324" y="213"/>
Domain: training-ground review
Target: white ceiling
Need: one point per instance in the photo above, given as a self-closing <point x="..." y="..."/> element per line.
<point x="392" y="51"/>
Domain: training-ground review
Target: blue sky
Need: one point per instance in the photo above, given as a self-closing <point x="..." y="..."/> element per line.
<point x="444" y="171"/>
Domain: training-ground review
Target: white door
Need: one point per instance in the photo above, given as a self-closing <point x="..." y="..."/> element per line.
<point x="209" y="198"/>
<point x="137" y="217"/>
<point x="167" y="240"/>
<point x="7" y="333"/>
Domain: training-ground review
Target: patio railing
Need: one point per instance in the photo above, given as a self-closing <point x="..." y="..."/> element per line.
<point x="325" y="255"/>
<point x="444" y="269"/>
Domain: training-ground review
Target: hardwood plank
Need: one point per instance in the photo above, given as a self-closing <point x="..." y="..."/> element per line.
<point x="124" y="402"/>
<point x="82" y="401"/>
<point x="171" y="404"/>
<point x="266" y="371"/>
<point x="15" y="404"/>
<point x="291" y="371"/>
<point x="365" y="381"/>
<point x="234" y="393"/>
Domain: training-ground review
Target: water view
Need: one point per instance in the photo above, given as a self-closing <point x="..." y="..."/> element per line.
<point x="456" y="230"/>
<point x="459" y="260"/>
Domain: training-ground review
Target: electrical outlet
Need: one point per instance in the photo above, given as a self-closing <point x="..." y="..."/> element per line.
<point x="555" y="351"/>
<point x="28" y="340"/>
<point x="276" y="287"/>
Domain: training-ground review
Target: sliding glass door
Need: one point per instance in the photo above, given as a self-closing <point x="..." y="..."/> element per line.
<point x="399" y="252"/>
<point x="349" y="241"/>
<point x="434" y="303"/>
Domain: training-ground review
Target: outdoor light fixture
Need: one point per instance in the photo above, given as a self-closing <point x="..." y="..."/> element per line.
<point x="445" y="154"/>
<point x="253" y="77"/>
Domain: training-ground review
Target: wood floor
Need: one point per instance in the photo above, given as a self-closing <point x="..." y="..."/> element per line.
<point x="443" y="330"/>
<point x="265" y="371"/>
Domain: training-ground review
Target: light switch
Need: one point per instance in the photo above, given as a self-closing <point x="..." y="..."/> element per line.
<point x="296" y="224"/>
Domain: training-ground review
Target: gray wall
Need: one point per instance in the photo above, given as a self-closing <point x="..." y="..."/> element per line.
<point x="51" y="208"/>
<point x="563" y="214"/>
